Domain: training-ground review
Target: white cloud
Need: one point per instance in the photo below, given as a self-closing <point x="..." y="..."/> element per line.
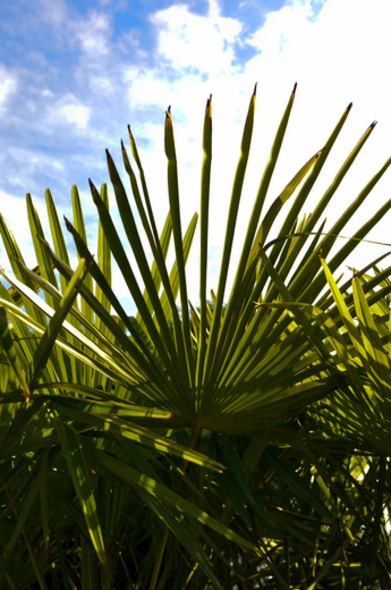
<point x="338" y="57"/>
<point x="102" y="84"/>
<point x="190" y="41"/>
<point x="94" y="35"/>
<point x="69" y="110"/>
<point x="8" y="87"/>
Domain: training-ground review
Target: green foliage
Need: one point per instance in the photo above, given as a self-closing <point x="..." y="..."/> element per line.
<point x="242" y="442"/>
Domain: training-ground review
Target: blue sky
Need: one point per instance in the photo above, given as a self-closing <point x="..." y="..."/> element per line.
<point x="74" y="74"/>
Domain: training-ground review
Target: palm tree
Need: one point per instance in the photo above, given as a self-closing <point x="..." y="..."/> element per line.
<point x="196" y="446"/>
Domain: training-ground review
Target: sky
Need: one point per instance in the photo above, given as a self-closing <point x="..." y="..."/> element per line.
<point x="74" y="74"/>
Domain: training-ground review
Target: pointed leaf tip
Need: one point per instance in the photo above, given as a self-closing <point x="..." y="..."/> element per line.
<point x="294" y="88"/>
<point x="168" y="121"/>
<point x="255" y="88"/>
<point x="122" y="146"/>
<point x="349" y="107"/>
<point x="92" y="188"/>
<point x="168" y="116"/>
<point x="130" y="134"/>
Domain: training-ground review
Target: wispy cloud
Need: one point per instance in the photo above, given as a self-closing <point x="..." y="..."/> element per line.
<point x="69" y="111"/>
<point x="94" y="36"/>
<point x="8" y="87"/>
